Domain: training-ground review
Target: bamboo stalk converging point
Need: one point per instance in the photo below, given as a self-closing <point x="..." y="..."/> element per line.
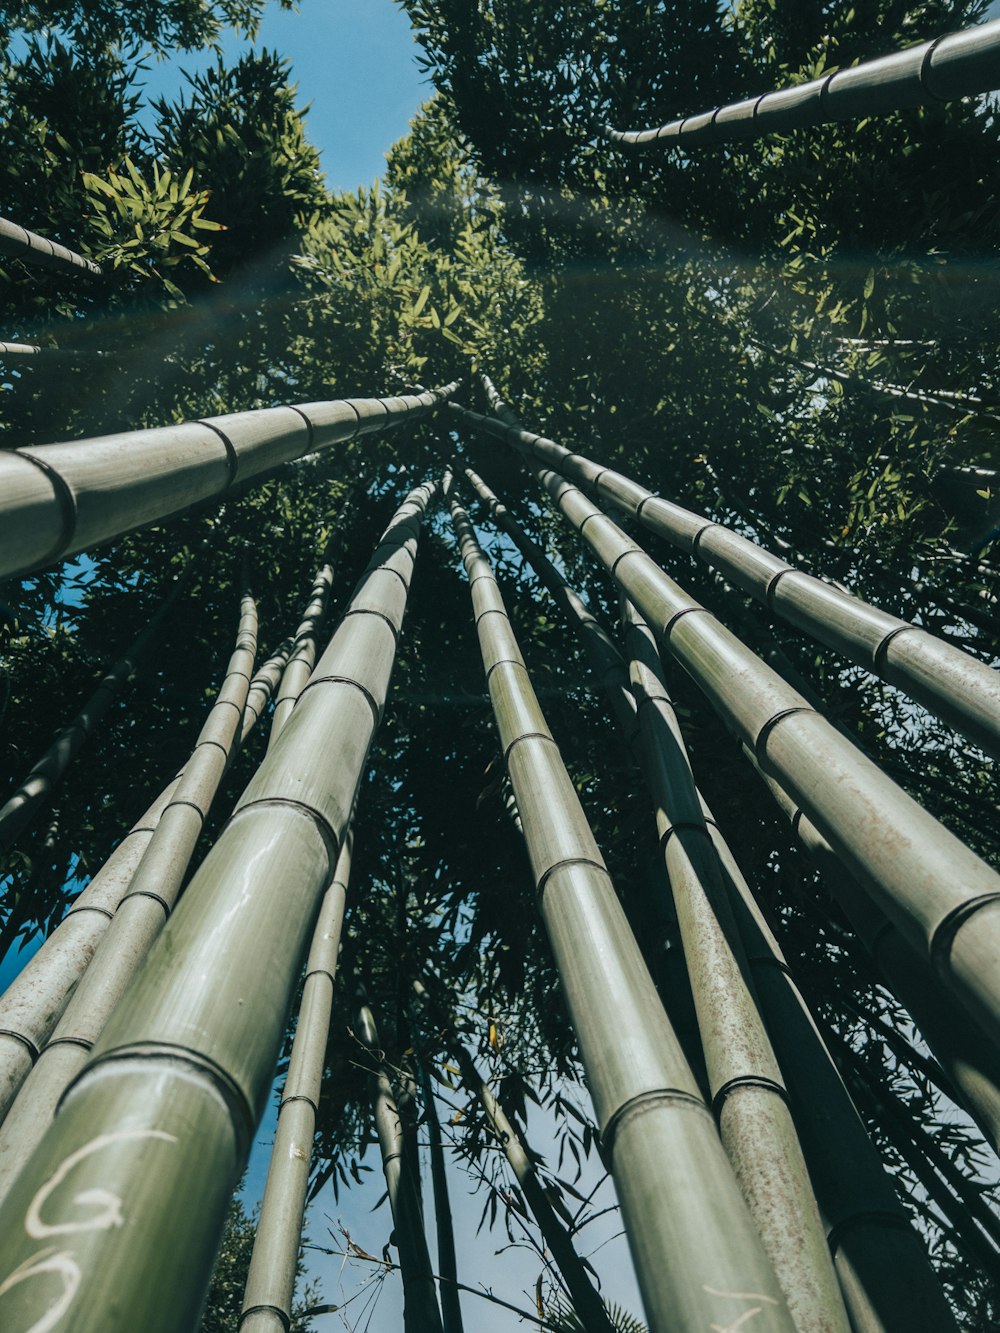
<point x="158" y="1125"/>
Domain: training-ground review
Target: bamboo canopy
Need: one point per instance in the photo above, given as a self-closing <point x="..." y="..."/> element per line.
<point x="59" y="499"/>
<point x="948" y="681"/>
<point x="672" y="1177"/>
<point x="158" y="1125"/>
<point x="959" y="64"/>
<point x="20" y="243"/>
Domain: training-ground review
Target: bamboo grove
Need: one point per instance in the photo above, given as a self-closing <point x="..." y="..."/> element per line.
<point x="498" y="678"/>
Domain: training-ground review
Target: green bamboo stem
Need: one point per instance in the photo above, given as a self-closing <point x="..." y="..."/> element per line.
<point x="936" y="890"/>
<point x="20" y="243"/>
<point x="37" y="787"/>
<point x="420" y="1307"/>
<point x="960" y="1047"/>
<point x="59" y="499"/>
<point x="584" y="1296"/>
<point x="748" y="1090"/>
<point x="946" y="680"/>
<point x="955" y="65"/>
<point x="36" y="999"/>
<point x="270" y="1287"/>
<point x="157" y="1127"/>
<point x="140" y="916"/>
<point x="451" y="1306"/>
<point x="696" y="1252"/>
<point x="303" y="657"/>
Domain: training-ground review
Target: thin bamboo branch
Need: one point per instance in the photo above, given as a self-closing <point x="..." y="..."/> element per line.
<point x="956" y="65"/>
<point x="59" y="499"/>
<point x="158" y="1125"/>
<point x="20" y="243"/>
<point x="673" y="1179"/>
<point x="951" y="683"/>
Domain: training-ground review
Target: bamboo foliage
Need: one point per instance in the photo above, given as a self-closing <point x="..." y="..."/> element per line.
<point x="956" y="65"/>
<point x="421" y="1313"/>
<point x="20" y="243"/>
<point x="158" y="1125"/>
<point x="36" y="999"/>
<point x="140" y="915"/>
<point x="943" y="678"/>
<point x="37" y="787"/>
<point x="59" y="499"/>
<point x="940" y="894"/>
<point x="672" y="1177"/>
<point x="879" y="1296"/>
<point x="267" y="1300"/>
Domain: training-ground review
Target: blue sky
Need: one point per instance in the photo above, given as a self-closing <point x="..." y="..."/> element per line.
<point x="354" y="62"/>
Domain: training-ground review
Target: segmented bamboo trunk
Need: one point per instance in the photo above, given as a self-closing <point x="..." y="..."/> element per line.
<point x="149" y="1141"/>
<point x="303" y="657"/>
<point x="585" y="1298"/>
<point x="953" y="66"/>
<point x="955" y="686"/>
<point x="37" y="788"/>
<point x="58" y="499"/>
<point x="444" y="1226"/>
<point x="21" y="243"/>
<point x="420" y="1308"/>
<point x="140" y="916"/>
<point x="36" y="999"/>
<point x="696" y="1252"/>
<point x="928" y="882"/>
<point x="270" y="1288"/>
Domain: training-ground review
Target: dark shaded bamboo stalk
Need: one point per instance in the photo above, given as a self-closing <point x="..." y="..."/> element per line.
<point x="944" y="898"/>
<point x="451" y="1306"/>
<point x="956" y="65"/>
<point x="35" y="1001"/>
<point x="20" y="243"/>
<point x="270" y="1287"/>
<point x="303" y="656"/>
<point x="59" y="499"/>
<point x="140" y="916"/>
<point x="584" y="1296"/>
<point x="672" y="1176"/>
<point x="9" y="350"/>
<point x="946" y="680"/>
<point x="37" y="788"/>
<point x="420" y="1308"/>
<point x="157" y="1127"/>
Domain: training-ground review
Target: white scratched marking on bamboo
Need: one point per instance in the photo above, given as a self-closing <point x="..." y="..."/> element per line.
<point x="48" y="1261"/>
<point x="738" y="1296"/>
<point x="113" y="1217"/>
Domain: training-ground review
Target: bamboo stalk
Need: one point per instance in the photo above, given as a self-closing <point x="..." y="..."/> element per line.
<point x="420" y="1307"/>
<point x="928" y="882"/>
<point x="673" y="1179"/>
<point x="37" y="787"/>
<point x="270" y="1287"/>
<point x="303" y="657"/>
<point x="956" y="65"/>
<point x="451" y="1306"/>
<point x="59" y="499"/>
<point x="946" y="680"/>
<point x="36" y="999"/>
<point x="33" y="350"/>
<point x="139" y="1164"/>
<point x="140" y="916"/>
<point x="20" y="243"/>
<point x="584" y="1296"/>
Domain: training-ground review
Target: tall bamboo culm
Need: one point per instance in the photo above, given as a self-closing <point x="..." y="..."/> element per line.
<point x="421" y="1313"/>
<point x="36" y="999"/>
<point x="140" y="916"/>
<point x="697" y="1255"/>
<point x="149" y="1141"/>
<point x="940" y="894"/>
<point x="59" y="499"/>
<point x="303" y="656"/>
<point x="957" y="687"/>
<point x="955" y="65"/>
<point x="270" y="1288"/>
<point x="20" y="243"/>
